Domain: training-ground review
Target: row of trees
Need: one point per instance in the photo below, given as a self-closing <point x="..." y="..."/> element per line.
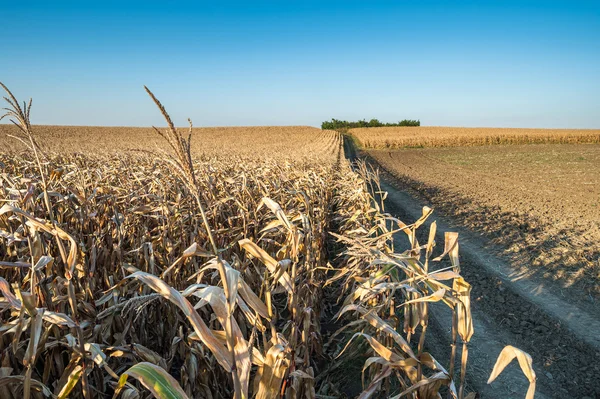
<point x="336" y="124"/>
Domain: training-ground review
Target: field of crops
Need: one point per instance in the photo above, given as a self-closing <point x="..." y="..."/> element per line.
<point x="235" y="262"/>
<point x="274" y="142"/>
<point x="434" y="136"/>
<point x="541" y="202"/>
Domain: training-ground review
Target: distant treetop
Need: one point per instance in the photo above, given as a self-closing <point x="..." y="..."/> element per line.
<point x="335" y="124"/>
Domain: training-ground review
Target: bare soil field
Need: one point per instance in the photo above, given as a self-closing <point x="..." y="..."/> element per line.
<point x="539" y="202"/>
<point x="558" y="332"/>
<point x="437" y="136"/>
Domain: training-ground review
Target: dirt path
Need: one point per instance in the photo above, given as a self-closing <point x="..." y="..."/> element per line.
<point x="509" y="308"/>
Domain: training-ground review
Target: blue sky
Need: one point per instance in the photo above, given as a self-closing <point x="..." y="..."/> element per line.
<point x="455" y="63"/>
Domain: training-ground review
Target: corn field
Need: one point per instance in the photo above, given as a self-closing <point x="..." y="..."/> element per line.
<point x="436" y="136"/>
<point x="273" y="142"/>
<point x="258" y="270"/>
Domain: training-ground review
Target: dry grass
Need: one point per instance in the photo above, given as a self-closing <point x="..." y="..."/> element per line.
<point x="205" y="276"/>
<point x="434" y="136"/>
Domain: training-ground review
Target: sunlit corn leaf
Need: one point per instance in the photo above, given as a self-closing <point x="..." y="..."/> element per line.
<point x="71" y="382"/>
<point x="97" y="355"/>
<point x="42" y="262"/>
<point x="506" y="356"/>
<point x="8" y="295"/>
<point x="426" y="212"/>
<point x="374" y="320"/>
<point x="269" y="377"/>
<point x="443" y="275"/>
<point x="268" y="261"/>
<point x="204" y="333"/>
<point x="216" y="298"/>
<point x="59" y="319"/>
<point x="381" y="349"/>
<point x="190" y="251"/>
<point x="233" y="278"/>
<point x="450" y="242"/>
<point x="385" y="372"/>
<point x="48" y="228"/>
<point x="435" y="297"/>
<point x="463" y="308"/>
<point x="276" y="209"/>
<point x="252" y="299"/>
<point x="430" y="242"/>
<point x="155" y="379"/>
<point x="434" y="382"/>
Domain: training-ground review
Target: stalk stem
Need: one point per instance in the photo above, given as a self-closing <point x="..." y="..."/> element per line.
<point x="237" y="386"/>
<point x="453" y="345"/>
<point x="463" y="369"/>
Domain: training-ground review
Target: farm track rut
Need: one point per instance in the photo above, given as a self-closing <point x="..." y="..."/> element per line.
<point x="509" y="309"/>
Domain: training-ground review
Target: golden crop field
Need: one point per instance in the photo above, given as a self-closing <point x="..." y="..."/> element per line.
<point x="436" y="136"/>
<point x="238" y="262"/>
<point x="254" y="142"/>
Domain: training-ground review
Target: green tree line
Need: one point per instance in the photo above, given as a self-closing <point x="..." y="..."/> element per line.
<point x="336" y="124"/>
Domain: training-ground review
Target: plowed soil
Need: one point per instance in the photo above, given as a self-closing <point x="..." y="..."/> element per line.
<point x="540" y="203"/>
<point x="513" y="302"/>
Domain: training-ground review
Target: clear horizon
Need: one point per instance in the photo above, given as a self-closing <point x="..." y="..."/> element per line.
<point x="501" y="64"/>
